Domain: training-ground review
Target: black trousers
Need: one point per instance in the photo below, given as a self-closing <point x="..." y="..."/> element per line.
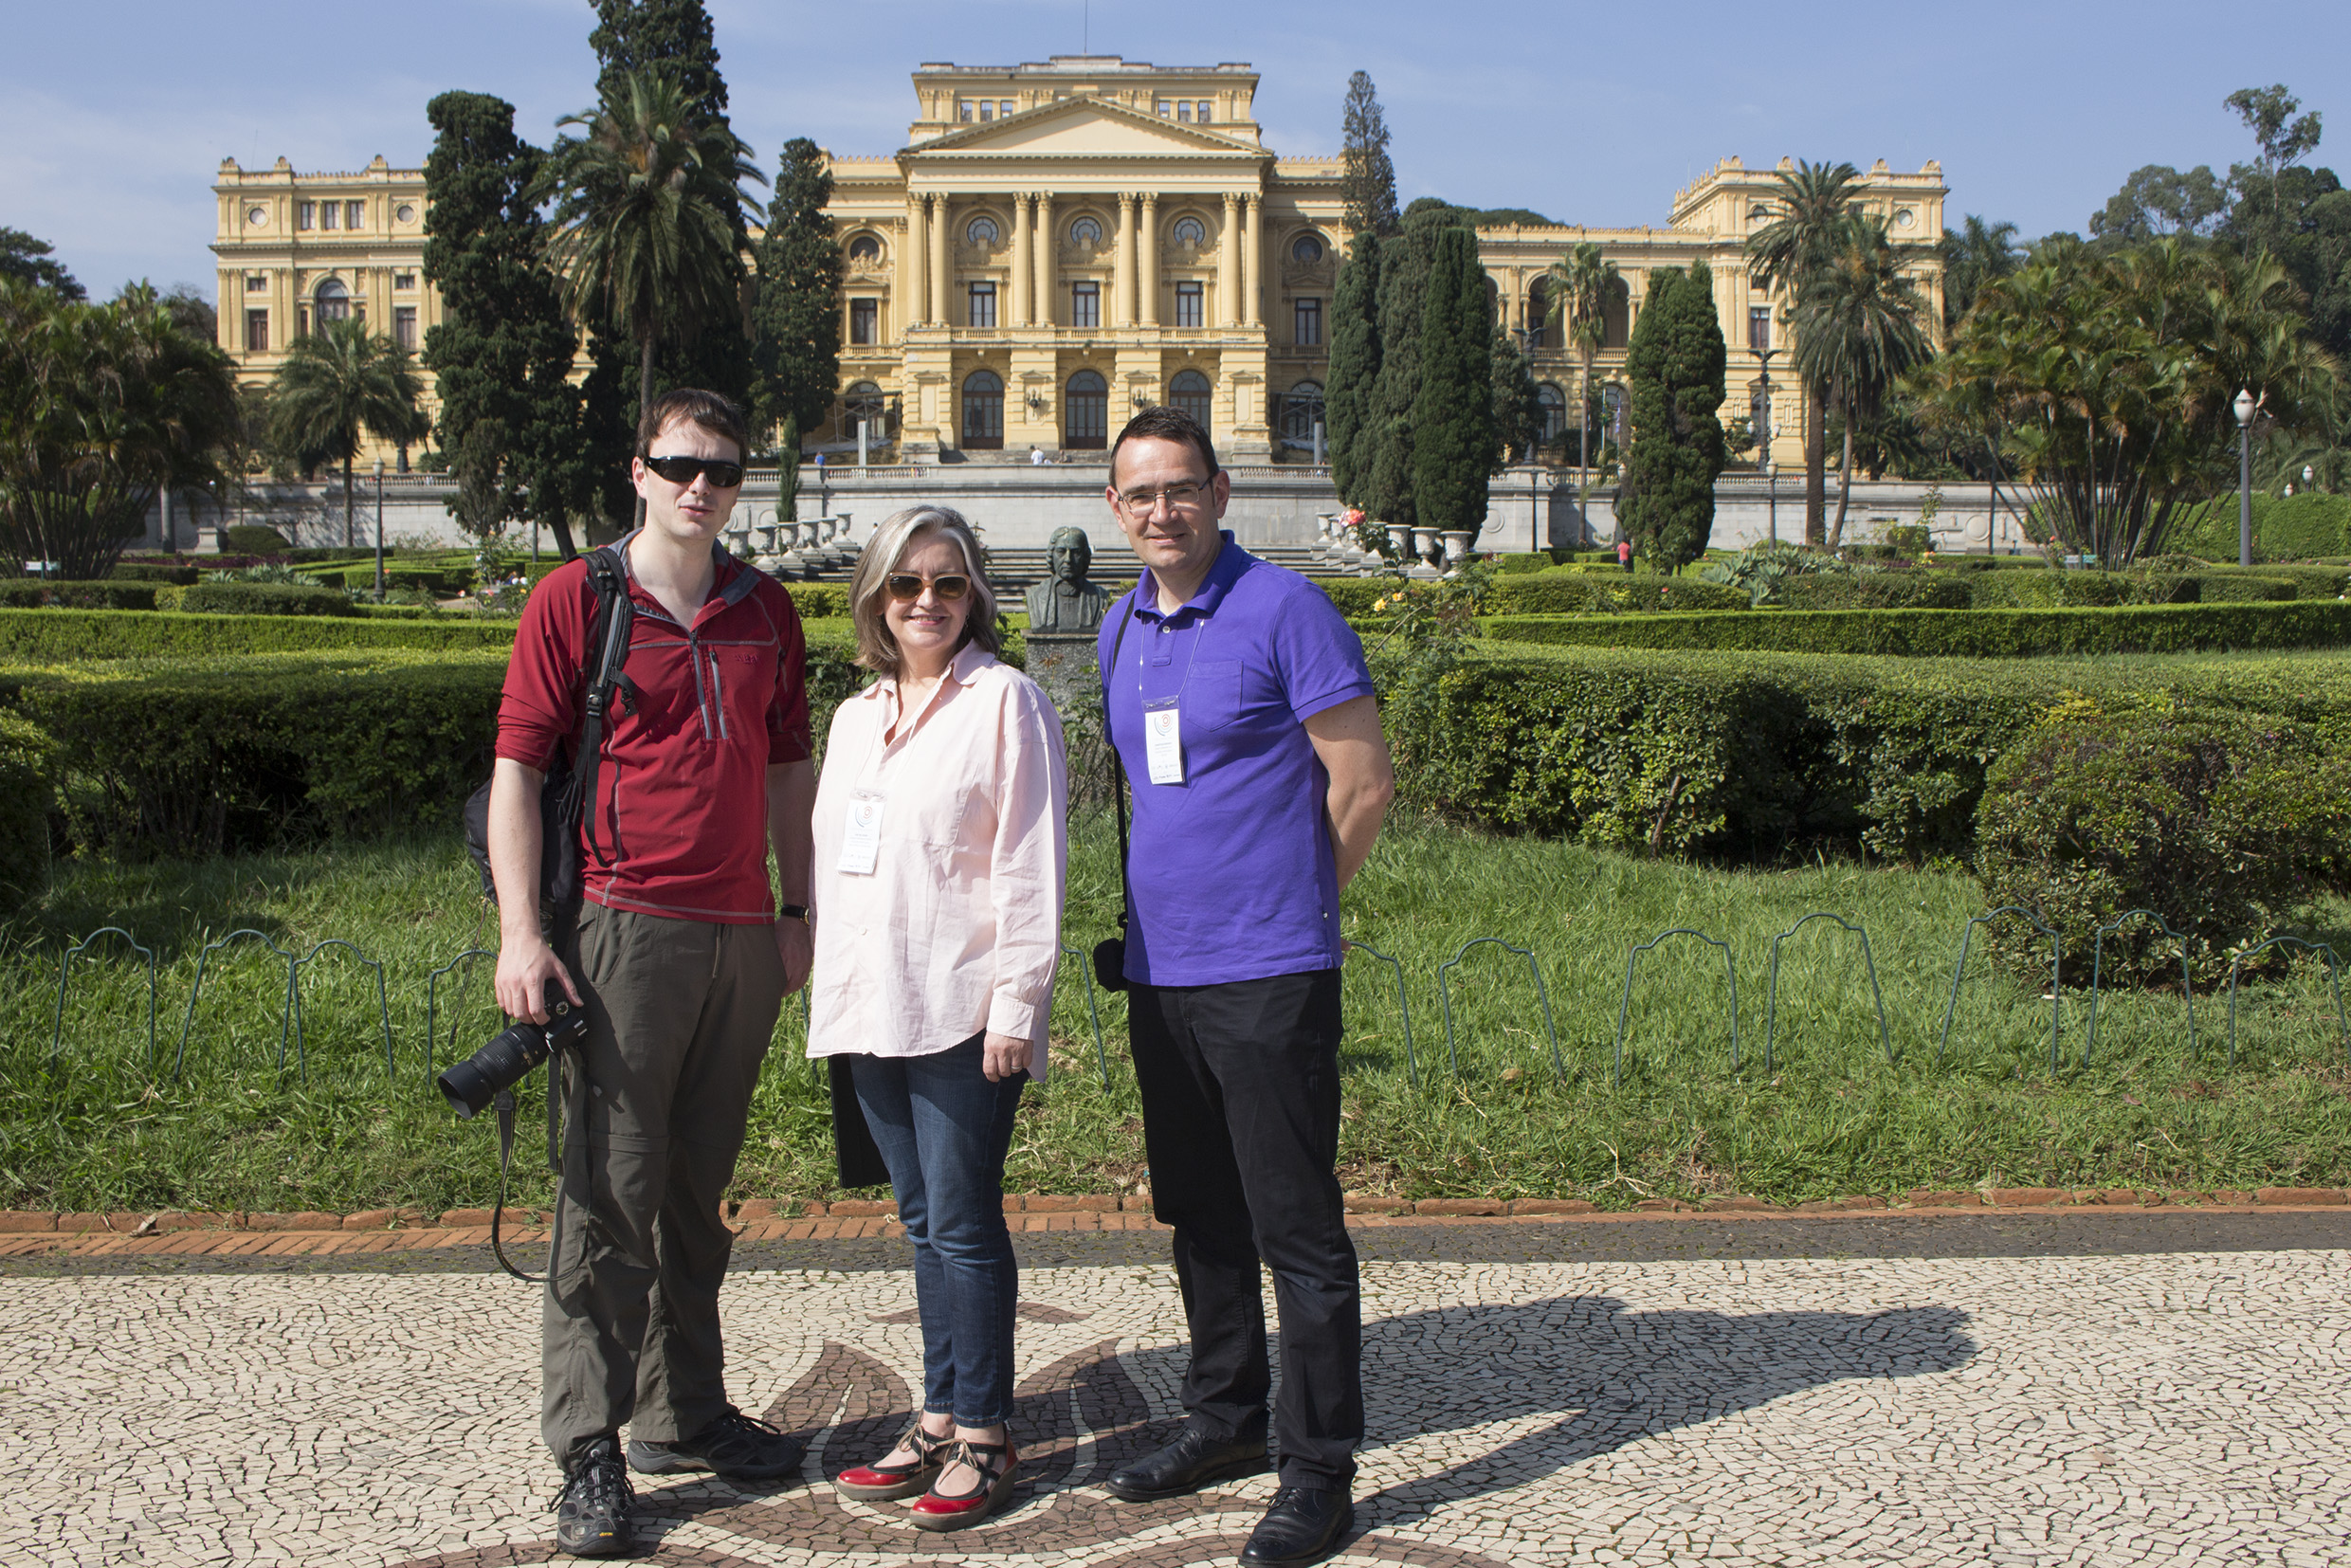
<point x="1240" y="1091"/>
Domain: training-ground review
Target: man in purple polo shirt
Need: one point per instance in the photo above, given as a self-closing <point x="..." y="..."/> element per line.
<point x="1243" y="712"/>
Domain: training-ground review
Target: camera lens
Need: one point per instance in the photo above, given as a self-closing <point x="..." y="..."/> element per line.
<point x="471" y="1084"/>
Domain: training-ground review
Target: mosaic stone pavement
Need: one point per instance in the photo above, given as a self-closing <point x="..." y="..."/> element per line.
<point x="2090" y="1410"/>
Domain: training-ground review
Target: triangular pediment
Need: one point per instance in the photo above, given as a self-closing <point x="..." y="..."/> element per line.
<point x="1086" y="127"/>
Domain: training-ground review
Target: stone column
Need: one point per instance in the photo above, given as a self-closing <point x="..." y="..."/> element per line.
<point x="1048" y="258"/>
<point x="914" y="300"/>
<point x="1122" y="292"/>
<point x="1252" y="242"/>
<point x="1147" y="268"/>
<point x="1227" y="258"/>
<point x="1024" y="265"/>
<point x="943" y="281"/>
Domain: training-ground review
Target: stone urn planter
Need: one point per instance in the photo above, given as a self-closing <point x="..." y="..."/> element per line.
<point x="1456" y="548"/>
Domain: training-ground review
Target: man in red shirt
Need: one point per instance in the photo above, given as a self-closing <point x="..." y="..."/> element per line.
<point x="681" y="964"/>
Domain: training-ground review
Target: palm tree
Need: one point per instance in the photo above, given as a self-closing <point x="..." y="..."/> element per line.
<point x="1578" y="288"/>
<point x="336" y="382"/>
<point x="1973" y="255"/>
<point x="642" y="232"/>
<point x="1856" y="332"/>
<point x="1786" y="254"/>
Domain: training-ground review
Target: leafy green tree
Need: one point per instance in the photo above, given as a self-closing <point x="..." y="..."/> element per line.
<point x="1973" y="255"/>
<point x="335" y="385"/>
<point x="1786" y="254"/>
<point x="2106" y="383"/>
<point x="502" y="352"/>
<point x="639" y="233"/>
<point x="1857" y="333"/>
<point x="1404" y="273"/>
<point x="2158" y="201"/>
<point x="1675" y="363"/>
<point x="798" y="315"/>
<point x="1367" y="180"/>
<point x="101" y="405"/>
<point x="1518" y="403"/>
<point x="2302" y="215"/>
<point x="2284" y="138"/>
<point x="1453" y="407"/>
<point x="1577" y="288"/>
<point x="35" y="261"/>
<point x="1354" y="369"/>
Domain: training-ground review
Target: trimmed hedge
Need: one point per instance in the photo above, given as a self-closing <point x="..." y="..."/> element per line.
<point x="233" y="598"/>
<point x="816" y="601"/>
<point x="2285" y="528"/>
<point x="1875" y="590"/>
<point x="447" y="582"/>
<point x="1747" y="751"/>
<point x="24" y="793"/>
<point x="143" y="572"/>
<point x="1957" y="633"/>
<point x="58" y="636"/>
<point x="78" y="595"/>
<point x="253" y="538"/>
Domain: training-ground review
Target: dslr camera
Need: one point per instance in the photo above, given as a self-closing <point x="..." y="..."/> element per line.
<point x="471" y="1084"/>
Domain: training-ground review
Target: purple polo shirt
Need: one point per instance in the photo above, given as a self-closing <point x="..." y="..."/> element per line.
<point x="1231" y="874"/>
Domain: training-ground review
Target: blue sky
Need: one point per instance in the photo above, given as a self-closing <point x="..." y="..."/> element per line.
<point x="114" y="114"/>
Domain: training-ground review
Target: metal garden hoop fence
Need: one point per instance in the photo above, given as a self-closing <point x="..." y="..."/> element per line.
<point x="81" y="955"/>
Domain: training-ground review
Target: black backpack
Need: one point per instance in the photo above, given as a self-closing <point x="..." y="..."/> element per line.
<point x="570" y="792"/>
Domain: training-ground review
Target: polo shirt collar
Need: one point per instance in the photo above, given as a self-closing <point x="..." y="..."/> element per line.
<point x="1222" y="574"/>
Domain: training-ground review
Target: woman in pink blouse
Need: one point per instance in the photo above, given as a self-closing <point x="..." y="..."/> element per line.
<point x="936" y="898"/>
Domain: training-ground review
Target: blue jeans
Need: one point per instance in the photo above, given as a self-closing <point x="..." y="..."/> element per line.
<point x="943" y="1129"/>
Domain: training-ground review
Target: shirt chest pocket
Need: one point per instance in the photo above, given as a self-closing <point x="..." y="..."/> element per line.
<point x="1211" y="696"/>
<point x="745" y="678"/>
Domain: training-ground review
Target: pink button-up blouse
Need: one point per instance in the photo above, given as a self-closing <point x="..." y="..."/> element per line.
<point x="957" y="929"/>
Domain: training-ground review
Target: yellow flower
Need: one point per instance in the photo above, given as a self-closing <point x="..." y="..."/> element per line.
<point x="1379" y="604"/>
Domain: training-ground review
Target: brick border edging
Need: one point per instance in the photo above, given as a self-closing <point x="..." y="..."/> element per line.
<point x="762" y="1214"/>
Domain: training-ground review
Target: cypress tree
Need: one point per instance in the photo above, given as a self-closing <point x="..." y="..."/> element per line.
<point x="798" y="315"/>
<point x="1367" y="180"/>
<point x="1403" y="265"/>
<point x="501" y="353"/>
<point x="1354" y="367"/>
<point x="1675" y="364"/>
<point x="1453" y="417"/>
<point x="1518" y="403"/>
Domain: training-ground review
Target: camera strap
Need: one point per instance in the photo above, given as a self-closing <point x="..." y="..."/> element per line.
<point x="1118" y="764"/>
<point x="505" y="1106"/>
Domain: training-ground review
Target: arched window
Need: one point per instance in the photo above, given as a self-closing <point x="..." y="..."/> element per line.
<point x="1616" y="315"/>
<point x="1537" y="314"/>
<point x="1553" y="404"/>
<point x="862" y="401"/>
<point x="864" y="248"/>
<point x="1615" y="407"/>
<point x="1308" y="247"/>
<point x="333" y="302"/>
<point x="983" y="412"/>
<point x="1302" y="411"/>
<point x="1190" y="391"/>
<point x="1190" y="233"/>
<point x="1086" y="233"/>
<point x="1089" y="413"/>
<point x="982" y="230"/>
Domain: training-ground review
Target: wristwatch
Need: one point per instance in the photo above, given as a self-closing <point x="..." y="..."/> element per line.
<point x="792" y="912"/>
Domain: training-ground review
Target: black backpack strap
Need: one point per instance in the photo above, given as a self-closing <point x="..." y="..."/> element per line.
<point x="615" y="621"/>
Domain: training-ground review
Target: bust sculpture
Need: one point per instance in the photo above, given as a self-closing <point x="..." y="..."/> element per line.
<point x="1067" y="602"/>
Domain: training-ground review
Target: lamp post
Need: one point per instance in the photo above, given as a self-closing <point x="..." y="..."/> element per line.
<point x="379" y="530"/>
<point x="1771" y="488"/>
<point x="2244" y="407"/>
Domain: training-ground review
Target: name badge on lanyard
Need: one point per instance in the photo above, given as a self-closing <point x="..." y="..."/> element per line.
<point x="861" y="841"/>
<point x="1163" y="741"/>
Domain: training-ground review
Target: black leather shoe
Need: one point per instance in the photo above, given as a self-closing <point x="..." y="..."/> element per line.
<point x="1303" y="1525"/>
<point x="1186" y="1465"/>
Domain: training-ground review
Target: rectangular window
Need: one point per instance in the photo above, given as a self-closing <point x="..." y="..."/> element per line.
<point x="1004" y="108"/>
<point x="1187" y="304"/>
<point x="403" y="280"/>
<point x="1183" y="110"/>
<point x="1085" y="304"/>
<point x="256" y="282"/>
<point x="1167" y="108"/>
<point x="1201" y="113"/>
<point x="1759" y="328"/>
<point x="983" y="312"/>
<point x="352" y="209"/>
<point x="1309" y="324"/>
<point x="967" y="111"/>
<point x="403" y="325"/>
<point x="987" y="109"/>
<point x="306" y="216"/>
<point x="865" y="322"/>
<point x="257" y="332"/>
<point x="302" y="322"/>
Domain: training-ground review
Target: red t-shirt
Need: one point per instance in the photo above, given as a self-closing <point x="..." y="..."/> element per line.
<point x="680" y="807"/>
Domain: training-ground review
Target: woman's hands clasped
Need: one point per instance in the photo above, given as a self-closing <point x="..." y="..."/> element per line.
<point x="1003" y="1056"/>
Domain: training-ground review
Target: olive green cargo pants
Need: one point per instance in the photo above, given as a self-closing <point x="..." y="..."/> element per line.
<point x="680" y="1014"/>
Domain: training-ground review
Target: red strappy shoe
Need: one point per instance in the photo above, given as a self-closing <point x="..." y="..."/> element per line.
<point x="936" y="1511"/>
<point x="880" y="1483"/>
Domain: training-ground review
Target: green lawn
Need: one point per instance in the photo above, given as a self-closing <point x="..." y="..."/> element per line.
<point x="1831" y="1118"/>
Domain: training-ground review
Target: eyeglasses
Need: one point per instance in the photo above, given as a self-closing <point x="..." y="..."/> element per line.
<point x="1179" y="498"/>
<point x="905" y="587"/>
<point x="680" y="470"/>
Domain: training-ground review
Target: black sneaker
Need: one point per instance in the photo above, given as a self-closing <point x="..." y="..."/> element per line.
<point x="591" y="1514"/>
<point x="739" y="1446"/>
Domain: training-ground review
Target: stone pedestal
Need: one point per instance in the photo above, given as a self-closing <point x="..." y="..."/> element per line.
<point x="1064" y="663"/>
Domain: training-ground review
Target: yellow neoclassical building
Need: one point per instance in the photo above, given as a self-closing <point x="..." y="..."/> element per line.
<point x="1059" y="243"/>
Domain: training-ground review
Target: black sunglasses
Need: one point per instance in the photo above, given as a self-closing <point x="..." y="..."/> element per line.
<point x="905" y="587"/>
<point x="680" y="470"/>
